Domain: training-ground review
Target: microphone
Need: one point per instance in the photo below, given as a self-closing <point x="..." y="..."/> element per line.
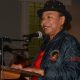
<point x="37" y="34"/>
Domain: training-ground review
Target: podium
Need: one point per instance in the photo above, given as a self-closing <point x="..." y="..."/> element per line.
<point x="12" y="73"/>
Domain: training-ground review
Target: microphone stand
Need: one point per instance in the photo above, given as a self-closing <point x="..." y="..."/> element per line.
<point x="6" y="39"/>
<point x="24" y="50"/>
<point x="1" y="54"/>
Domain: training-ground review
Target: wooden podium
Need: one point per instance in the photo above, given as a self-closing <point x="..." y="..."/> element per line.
<point x="12" y="73"/>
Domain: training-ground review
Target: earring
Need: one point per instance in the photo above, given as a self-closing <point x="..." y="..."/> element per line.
<point x="61" y="27"/>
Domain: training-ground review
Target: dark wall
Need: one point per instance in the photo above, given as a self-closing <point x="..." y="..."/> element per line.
<point x="10" y="24"/>
<point x="10" y="11"/>
<point x="74" y="9"/>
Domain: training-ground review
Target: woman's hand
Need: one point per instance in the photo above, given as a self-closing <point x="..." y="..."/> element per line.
<point x="18" y="66"/>
<point x="35" y="70"/>
<point x="30" y="69"/>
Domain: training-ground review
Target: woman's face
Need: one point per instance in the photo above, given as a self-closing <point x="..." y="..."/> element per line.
<point x="52" y="22"/>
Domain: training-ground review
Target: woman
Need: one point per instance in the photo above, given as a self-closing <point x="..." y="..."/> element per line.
<point x="59" y="55"/>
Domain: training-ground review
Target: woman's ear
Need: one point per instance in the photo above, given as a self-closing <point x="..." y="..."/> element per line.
<point x="62" y="20"/>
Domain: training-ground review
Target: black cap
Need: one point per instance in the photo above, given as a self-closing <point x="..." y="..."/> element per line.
<point x="54" y="5"/>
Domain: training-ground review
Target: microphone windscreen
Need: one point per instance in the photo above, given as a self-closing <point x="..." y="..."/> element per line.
<point x="40" y="34"/>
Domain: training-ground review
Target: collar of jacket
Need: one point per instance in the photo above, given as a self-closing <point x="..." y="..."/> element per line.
<point x="46" y="40"/>
<point x="58" y="36"/>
